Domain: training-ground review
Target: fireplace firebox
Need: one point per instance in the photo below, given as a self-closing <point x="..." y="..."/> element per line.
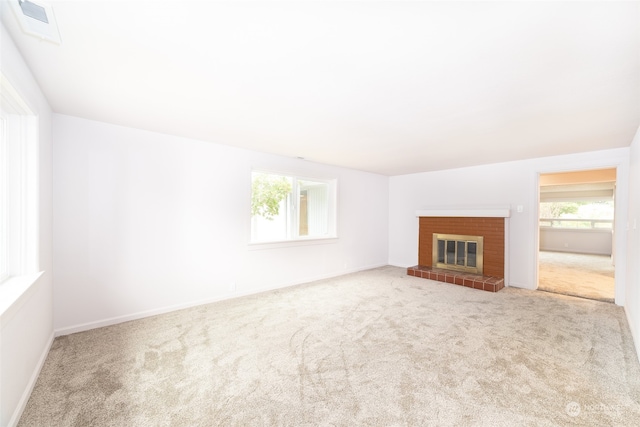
<point x="458" y="252"/>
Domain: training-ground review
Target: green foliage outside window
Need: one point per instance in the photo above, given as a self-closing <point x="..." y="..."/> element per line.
<point x="267" y="191"/>
<point x="581" y="214"/>
<point x="559" y="209"/>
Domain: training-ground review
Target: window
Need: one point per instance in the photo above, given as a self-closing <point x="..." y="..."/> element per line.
<point x="577" y="214"/>
<point x="18" y="185"/>
<point x="285" y="207"/>
<point x="4" y="241"/>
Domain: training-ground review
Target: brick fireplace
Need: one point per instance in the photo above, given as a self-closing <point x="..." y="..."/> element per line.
<point x="490" y="224"/>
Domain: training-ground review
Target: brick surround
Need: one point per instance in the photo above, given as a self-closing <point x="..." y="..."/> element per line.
<point x="493" y="231"/>
<point x="491" y="228"/>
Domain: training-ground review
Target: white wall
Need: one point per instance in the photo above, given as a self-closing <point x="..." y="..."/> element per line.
<point x="504" y="184"/>
<point x="582" y="241"/>
<point x="26" y="329"/>
<point x="632" y="306"/>
<point x="147" y="222"/>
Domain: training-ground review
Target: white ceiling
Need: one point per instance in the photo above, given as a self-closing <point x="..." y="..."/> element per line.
<point x="388" y="87"/>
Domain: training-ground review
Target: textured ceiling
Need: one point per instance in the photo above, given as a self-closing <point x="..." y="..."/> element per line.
<point x="387" y="87"/>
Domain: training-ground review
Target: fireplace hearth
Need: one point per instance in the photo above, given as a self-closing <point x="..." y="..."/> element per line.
<point x="475" y="281"/>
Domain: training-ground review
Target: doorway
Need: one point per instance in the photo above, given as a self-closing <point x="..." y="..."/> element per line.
<point x="576" y="234"/>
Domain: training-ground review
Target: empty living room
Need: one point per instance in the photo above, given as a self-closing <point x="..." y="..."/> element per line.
<point x="317" y="213"/>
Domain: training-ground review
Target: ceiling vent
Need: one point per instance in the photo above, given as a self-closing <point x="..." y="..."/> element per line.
<point x="37" y="19"/>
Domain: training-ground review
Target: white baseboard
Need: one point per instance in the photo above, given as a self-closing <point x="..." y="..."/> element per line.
<point x="134" y="316"/>
<point x="162" y="310"/>
<point x="22" y="403"/>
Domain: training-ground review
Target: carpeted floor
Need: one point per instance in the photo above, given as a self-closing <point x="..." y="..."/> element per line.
<point x="580" y="275"/>
<point x="376" y="348"/>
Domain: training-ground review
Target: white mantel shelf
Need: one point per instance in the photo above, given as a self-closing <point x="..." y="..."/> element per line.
<point x="467" y="213"/>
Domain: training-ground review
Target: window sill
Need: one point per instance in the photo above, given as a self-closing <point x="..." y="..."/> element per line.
<point x="14" y="292"/>
<point x="256" y="246"/>
<point x="578" y="230"/>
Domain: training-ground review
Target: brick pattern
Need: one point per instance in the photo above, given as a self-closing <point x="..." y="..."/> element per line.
<point x="492" y="229"/>
<point x="475" y="281"/>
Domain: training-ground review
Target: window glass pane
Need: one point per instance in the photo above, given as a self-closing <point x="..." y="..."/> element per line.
<point x="4" y="272"/>
<point x="303" y="223"/>
<point x="270" y="203"/>
<point x="585" y="214"/>
<point x="313" y="212"/>
<point x="18" y="186"/>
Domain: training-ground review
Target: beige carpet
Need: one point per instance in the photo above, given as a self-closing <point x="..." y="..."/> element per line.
<point x="375" y="348"/>
<point x="580" y="275"/>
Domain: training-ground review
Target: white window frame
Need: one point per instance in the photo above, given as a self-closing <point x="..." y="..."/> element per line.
<point x="294" y="210"/>
<point x="18" y="186"/>
<point x="4" y="221"/>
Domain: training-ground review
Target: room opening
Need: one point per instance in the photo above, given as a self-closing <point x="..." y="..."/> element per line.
<point x="576" y="229"/>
